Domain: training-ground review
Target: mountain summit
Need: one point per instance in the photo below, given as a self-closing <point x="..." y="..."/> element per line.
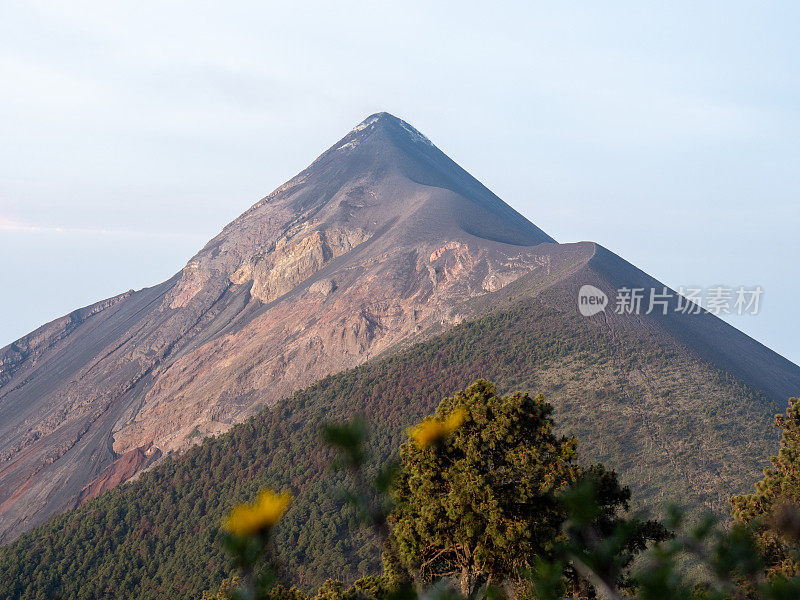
<point x="385" y="148"/>
<point x="382" y="241"/>
<point x="384" y="185"/>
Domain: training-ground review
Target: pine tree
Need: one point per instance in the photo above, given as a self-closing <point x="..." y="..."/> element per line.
<point x="773" y="508"/>
<point x="479" y="504"/>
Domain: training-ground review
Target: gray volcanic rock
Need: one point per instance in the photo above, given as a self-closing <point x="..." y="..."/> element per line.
<point x="380" y="241"/>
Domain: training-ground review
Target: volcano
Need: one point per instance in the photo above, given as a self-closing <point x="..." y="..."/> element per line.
<point x="381" y="242"/>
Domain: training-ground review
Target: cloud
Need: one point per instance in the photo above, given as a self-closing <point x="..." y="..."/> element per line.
<point x="9" y="224"/>
<point x="13" y="225"/>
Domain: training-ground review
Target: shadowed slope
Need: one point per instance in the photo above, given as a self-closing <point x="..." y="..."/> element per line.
<point x="380" y="242"/>
<point x="676" y="428"/>
<point x="370" y="245"/>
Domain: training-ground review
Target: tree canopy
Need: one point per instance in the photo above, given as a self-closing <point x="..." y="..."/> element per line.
<point x="481" y="504"/>
<point x="773" y="508"/>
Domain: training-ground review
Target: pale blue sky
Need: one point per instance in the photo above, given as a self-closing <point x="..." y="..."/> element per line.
<point x="133" y="131"/>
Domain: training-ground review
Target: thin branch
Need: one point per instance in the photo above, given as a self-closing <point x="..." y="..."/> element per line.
<point x="594" y="579"/>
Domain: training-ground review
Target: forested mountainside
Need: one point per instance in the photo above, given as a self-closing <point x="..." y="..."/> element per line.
<point x="676" y="428"/>
<point x="381" y="242"/>
<point x="373" y="243"/>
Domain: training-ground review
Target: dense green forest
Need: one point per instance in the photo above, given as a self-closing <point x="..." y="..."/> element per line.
<point x="673" y="427"/>
<point x="488" y="502"/>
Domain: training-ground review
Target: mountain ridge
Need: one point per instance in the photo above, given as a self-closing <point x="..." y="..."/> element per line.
<point x="353" y="235"/>
<point x="159" y="535"/>
<point x="383" y="240"/>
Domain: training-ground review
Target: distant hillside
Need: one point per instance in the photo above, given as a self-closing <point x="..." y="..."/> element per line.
<point x="674" y="426"/>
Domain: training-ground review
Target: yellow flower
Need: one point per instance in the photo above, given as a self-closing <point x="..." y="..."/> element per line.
<point x="432" y="430"/>
<point x="249" y="519"/>
<point x="455" y="419"/>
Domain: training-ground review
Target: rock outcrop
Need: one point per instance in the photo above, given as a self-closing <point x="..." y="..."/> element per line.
<point x="366" y="248"/>
<point x="380" y="241"/>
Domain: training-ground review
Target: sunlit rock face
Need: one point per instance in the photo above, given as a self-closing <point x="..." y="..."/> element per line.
<point x="381" y="241"/>
<point x="380" y="238"/>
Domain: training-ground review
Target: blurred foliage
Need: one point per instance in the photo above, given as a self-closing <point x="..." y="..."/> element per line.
<point x="496" y="507"/>
<point x="481" y="505"/>
<point x="631" y="400"/>
<point x="730" y="560"/>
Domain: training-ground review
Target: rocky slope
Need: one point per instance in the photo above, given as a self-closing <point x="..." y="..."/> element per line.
<point x="367" y="247"/>
<point x="675" y="428"/>
<point x="381" y="241"/>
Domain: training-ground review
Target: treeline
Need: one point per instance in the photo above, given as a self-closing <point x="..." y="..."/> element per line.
<point x="159" y="536"/>
<point x="487" y="501"/>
